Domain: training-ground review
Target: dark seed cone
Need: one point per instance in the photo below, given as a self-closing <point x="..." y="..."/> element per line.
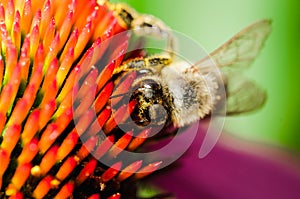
<point x="49" y="51"/>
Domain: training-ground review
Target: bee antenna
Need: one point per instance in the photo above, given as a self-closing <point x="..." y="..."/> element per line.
<point x="119" y="95"/>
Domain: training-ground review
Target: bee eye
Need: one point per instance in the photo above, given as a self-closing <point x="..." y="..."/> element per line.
<point x="158" y="114"/>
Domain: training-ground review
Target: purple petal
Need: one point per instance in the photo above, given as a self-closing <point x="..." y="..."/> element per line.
<point x="228" y="173"/>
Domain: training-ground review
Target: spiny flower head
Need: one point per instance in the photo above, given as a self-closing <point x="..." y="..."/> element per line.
<point x="48" y="52"/>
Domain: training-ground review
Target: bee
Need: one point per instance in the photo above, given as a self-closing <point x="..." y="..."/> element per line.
<point x="123" y="13"/>
<point x="179" y="93"/>
<point x="143" y="24"/>
<point x="148" y="25"/>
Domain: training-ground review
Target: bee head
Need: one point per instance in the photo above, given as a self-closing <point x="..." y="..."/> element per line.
<point x="149" y="95"/>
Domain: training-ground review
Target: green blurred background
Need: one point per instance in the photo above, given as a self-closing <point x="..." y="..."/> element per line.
<point x="277" y="68"/>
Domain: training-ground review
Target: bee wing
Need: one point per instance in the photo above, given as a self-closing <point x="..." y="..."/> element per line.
<point x="240" y="51"/>
<point x="243" y="95"/>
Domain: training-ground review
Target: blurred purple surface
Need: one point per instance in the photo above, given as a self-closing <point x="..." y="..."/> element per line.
<point x="227" y="173"/>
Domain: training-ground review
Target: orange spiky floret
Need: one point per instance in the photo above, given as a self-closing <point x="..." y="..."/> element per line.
<point x="48" y="78"/>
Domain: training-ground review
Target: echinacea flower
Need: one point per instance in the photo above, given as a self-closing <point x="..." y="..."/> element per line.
<point x="62" y="101"/>
<point x="48" y="52"/>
